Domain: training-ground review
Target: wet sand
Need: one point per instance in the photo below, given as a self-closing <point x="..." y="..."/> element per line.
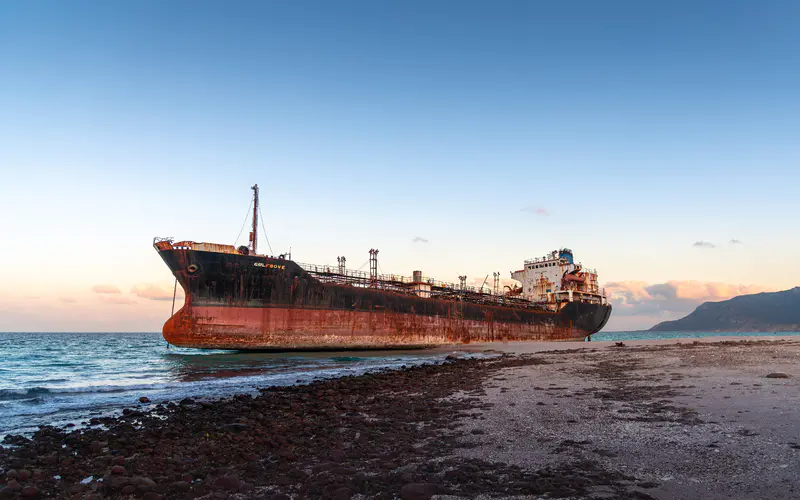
<point x="698" y="419"/>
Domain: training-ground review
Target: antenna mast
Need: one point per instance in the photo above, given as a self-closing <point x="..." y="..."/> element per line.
<point x="254" y="234"/>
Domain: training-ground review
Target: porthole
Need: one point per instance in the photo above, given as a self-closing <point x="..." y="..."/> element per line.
<point x="192" y="268"/>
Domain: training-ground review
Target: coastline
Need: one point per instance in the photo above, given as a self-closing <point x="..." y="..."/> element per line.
<point x="574" y="420"/>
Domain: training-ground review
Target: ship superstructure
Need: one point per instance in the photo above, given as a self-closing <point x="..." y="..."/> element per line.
<point x="556" y="279"/>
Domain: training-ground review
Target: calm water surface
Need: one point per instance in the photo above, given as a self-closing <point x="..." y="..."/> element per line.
<point x="58" y="378"/>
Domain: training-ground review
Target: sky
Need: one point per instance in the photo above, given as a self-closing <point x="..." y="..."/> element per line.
<point x="658" y="140"/>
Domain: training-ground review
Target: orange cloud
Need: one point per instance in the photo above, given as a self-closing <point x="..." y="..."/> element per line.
<point x="105" y="289"/>
<point x="673" y="298"/>
<point x="152" y="292"/>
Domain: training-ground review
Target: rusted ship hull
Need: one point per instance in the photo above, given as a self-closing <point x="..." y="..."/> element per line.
<point x="261" y="303"/>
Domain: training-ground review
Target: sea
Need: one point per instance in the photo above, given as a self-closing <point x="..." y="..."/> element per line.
<point x="68" y="378"/>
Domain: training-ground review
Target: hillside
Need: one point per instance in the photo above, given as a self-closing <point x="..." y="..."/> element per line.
<point x="775" y="312"/>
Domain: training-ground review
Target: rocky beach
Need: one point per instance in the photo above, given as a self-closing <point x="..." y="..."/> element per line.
<point x="693" y="419"/>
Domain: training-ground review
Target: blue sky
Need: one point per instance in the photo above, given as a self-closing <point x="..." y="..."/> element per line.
<point x="639" y="128"/>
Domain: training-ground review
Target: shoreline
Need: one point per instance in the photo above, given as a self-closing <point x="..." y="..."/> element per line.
<point x="563" y="419"/>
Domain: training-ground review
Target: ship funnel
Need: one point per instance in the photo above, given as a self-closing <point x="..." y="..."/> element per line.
<point x="417" y="276"/>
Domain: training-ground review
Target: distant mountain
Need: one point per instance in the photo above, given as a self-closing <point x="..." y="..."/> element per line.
<point x="760" y="312"/>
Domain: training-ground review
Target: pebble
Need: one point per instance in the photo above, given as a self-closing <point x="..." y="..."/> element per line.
<point x="229" y="482"/>
<point x="420" y="491"/>
<point x="181" y="486"/>
<point x="777" y="375"/>
<point x="31" y="492"/>
<point x="118" y="470"/>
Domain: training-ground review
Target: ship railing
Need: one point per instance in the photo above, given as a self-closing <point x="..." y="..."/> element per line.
<point x="404" y="284"/>
<point x="334" y="273"/>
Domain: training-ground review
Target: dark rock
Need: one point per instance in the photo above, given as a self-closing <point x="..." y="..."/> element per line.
<point x="236" y="427"/>
<point x="12" y="474"/>
<point x="144" y="399"/>
<point x="117" y="482"/>
<point x="15" y="440"/>
<point x="143" y="483"/>
<point x="128" y="490"/>
<point x="7" y="492"/>
<point x="118" y="470"/>
<point x="31" y="492"/>
<point x="777" y="375"/>
<point x="420" y="491"/>
<point x="181" y="486"/>
<point x="342" y="494"/>
<point x="151" y="495"/>
<point x="229" y="482"/>
<point x="187" y="401"/>
<point x="14" y="485"/>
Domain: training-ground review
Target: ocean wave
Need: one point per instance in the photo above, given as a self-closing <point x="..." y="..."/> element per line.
<point x="10" y="394"/>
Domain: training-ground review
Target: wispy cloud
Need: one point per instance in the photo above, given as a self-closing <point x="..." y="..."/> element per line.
<point x="734" y="241"/>
<point x="152" y="292"/>
<point x="105" y="289"/>
<point x="419" y="239"/>
<point x="533" y="209"/>
<point x="117" y="299"/>
<point x="703" y="244"/>
<point x="67" y="300"/>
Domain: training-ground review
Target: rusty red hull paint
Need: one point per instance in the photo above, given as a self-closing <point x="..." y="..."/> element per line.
<point x="302" y="329"/>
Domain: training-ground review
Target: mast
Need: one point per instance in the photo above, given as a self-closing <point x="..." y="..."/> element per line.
<point x="254" y="234"/>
